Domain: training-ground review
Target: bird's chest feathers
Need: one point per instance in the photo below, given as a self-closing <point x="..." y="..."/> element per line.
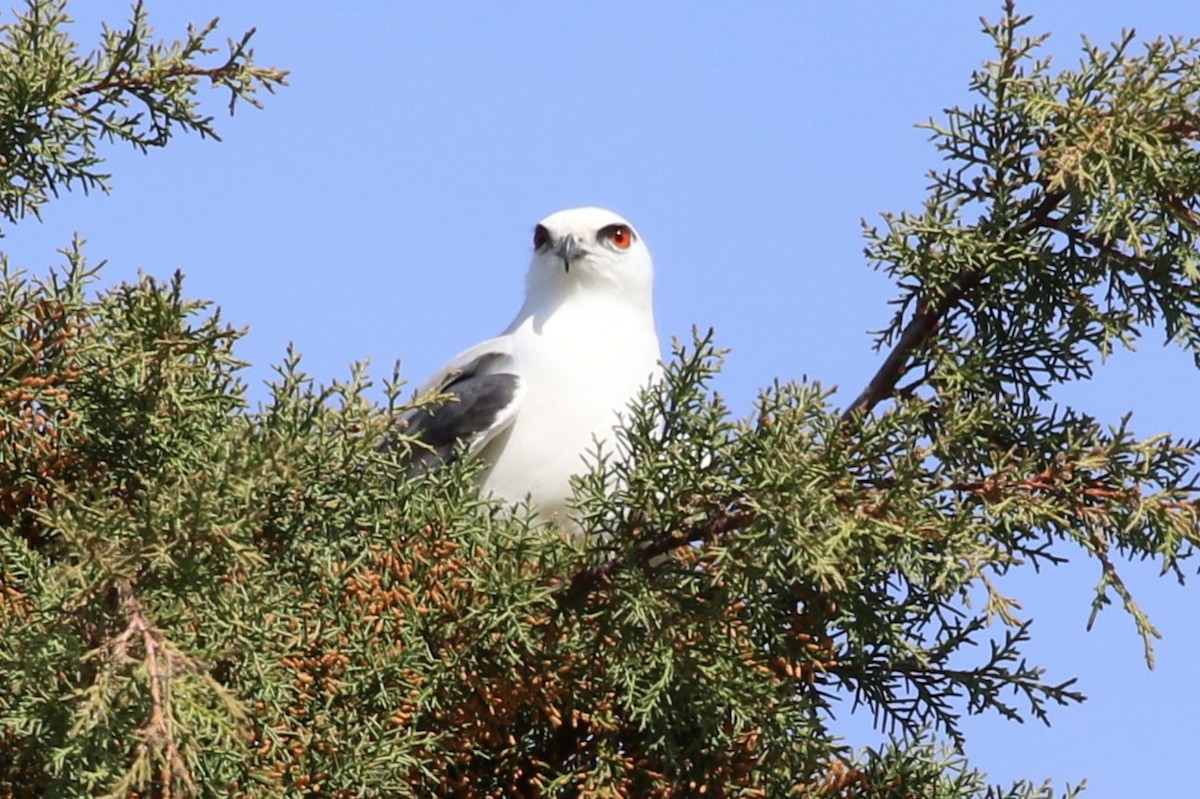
<point x="586" y="347"/>
<point x="581" y="366"/>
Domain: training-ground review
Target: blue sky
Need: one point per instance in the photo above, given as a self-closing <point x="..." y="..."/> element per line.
<point x="382" y="206"/>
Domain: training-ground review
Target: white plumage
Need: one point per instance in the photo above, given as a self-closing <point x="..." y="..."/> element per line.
<point x="536" y="399"/>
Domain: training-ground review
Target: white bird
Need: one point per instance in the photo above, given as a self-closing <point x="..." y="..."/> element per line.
<point x="535" y="400"/>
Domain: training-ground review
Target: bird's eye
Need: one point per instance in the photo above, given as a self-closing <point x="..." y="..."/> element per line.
<point x="619" y="236"/>
<point x="540" y="237"/>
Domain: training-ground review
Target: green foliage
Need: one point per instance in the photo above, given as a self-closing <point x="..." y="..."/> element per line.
<point x="198" y="598"/>
<point x="1065" y="224"/>
<point x="57" y="104"/>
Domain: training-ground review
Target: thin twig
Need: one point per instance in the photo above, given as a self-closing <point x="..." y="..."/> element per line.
<point x="158" y="662"/>
<point x="125" y="82"/>
<point x="730" y="517"/>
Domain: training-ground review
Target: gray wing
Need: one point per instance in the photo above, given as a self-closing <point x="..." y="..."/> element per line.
<point x="484" y="394"/>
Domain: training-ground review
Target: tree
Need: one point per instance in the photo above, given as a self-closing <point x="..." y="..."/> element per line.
<point x="203" y="600"/>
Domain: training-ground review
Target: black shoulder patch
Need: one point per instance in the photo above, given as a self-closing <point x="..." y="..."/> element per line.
<point x="477" y="401"/>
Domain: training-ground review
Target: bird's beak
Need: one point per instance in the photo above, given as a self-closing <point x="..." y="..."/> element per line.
<point x="569" y="250"/>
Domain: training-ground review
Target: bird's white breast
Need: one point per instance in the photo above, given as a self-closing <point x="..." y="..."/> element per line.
<point x="581" y="364"/>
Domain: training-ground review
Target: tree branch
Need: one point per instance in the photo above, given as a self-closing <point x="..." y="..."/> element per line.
<point x="731" y="516"/>
<point x="916" y="335"/>
<point x="125" y="82"/>
<point x="921" y="328"/>
<point x="159" y="668"/>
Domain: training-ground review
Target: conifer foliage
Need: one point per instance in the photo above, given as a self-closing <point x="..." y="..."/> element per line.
<point x="198" y="598"/>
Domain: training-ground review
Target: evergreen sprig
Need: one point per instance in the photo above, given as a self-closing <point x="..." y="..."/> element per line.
<point x="58" y="104"/>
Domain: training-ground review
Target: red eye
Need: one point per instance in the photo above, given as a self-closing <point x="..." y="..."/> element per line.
<point x="620" y="236"/>
<point x="540" y="237"/>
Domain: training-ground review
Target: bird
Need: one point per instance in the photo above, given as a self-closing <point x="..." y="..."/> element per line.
<point x="534" y="401"/>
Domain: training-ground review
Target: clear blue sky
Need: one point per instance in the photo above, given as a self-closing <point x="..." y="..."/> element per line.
<point x="382" y="207"/>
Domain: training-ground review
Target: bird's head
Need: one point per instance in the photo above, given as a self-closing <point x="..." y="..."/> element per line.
<point x="590" y="246"/>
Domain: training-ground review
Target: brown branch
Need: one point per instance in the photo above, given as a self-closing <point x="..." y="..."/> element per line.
<point x="921" y="328"/>
<point x="1099" y="491"/>
<point x="125" y="82"/>
<point x="916" y="335"/>
<point x="728" y="518"/>
<point x="158" y="661"/>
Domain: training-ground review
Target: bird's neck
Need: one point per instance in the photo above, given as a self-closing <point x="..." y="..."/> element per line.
<point x="578" y="306"/>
